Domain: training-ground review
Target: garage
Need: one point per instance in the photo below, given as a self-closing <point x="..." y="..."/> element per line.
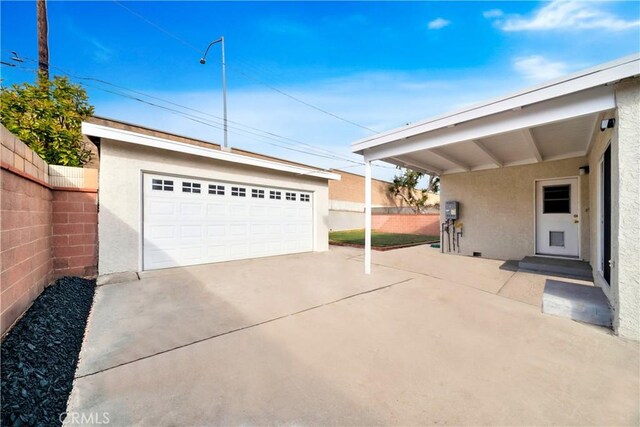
<point x="190" y="221"/>
<point x="166" y="200"/>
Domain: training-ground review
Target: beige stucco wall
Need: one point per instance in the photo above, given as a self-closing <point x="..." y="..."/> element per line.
<point x="628" y="218"/>
<point x="624" y="291"/>
<point x="497" y="207"/>
<point x="121" y="168"/>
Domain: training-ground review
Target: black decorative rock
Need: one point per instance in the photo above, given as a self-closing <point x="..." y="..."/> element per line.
<point x="40" y="353"/>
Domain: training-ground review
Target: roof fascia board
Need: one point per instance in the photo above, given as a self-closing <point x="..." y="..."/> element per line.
<point x="579" y="104"/>
<point x="91" y="129"/>
<point x="597" y="76"/>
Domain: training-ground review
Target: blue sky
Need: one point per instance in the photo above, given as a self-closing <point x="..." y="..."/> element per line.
<point x="377" y="64"/>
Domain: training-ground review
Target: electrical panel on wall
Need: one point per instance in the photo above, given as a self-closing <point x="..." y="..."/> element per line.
<point x="451" y="210"/>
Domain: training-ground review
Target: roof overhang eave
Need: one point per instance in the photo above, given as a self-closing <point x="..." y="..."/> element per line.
<point x="601" y="75"/>
<point x="99" y="131"/>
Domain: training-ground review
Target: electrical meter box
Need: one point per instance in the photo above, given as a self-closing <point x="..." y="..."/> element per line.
<point x="451" y="210"/>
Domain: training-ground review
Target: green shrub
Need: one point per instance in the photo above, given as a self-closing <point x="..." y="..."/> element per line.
<point x="47" y="116"/>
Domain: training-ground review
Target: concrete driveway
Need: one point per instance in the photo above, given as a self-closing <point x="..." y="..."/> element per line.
<point x="308" y="339"/>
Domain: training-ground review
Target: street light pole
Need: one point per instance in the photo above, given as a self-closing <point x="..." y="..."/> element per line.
<point x="203" y="61"/>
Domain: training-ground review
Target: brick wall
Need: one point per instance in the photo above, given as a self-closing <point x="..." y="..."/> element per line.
<point x="75" y="230"/>
<point x="350" y="188"/>
<point x="46" y="231"/>
<point x="26" y="253"/>
<point x="427" y="224"/>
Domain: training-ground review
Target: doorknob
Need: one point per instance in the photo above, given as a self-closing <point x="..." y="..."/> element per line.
<point x="575" y="221"/>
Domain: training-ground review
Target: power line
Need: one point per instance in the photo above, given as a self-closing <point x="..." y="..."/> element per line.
<point x="208" y="123"/>
<point x="319" y="152"/>
<point x="158" y="27"/>
<point x="326" y="153"/>
<point x="258" y="80"/>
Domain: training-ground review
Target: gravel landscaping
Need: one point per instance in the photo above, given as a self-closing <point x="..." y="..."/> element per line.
<point x="40" y="354"/>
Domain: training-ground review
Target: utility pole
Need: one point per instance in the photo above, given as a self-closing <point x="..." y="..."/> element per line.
<point x="43" y="39"/>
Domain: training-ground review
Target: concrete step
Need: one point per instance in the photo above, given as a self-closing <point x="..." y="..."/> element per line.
<point x="555" y="266"/>
<point x="578" y="302"/>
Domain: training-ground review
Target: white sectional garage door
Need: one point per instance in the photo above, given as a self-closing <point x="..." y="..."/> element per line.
<point x="188" y="221"/>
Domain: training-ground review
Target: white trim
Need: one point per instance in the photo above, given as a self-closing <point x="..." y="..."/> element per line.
<point x="141" y="223"/>
<point x="100" y="131"/>
<point x="600" y="75"/>
<point x="600" y="217"/>
<point x="552" y="111"/>
<point x="367" y="218"/>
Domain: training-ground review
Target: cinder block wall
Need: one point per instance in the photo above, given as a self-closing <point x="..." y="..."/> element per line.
<point x="26" y="253"/>
<point x="427" y="224"/>
<point x="75" y="233"/>
<point x="46" y="231"/>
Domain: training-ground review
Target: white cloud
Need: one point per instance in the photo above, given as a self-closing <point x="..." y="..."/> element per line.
<point x="493" y="13"/>
<point x="537" y="67"/>
<point x="381" y="101"/>
<point x="438" y="23"/>
<point x="565" y="15"/>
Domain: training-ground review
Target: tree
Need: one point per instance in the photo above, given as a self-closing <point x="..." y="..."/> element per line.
<point x="405" y="186"/>
<point x="48" y="118"/>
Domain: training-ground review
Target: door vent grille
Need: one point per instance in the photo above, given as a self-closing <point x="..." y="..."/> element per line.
<point x="556" y="238"/>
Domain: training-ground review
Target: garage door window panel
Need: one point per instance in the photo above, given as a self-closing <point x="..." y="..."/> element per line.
<point x="191" y="187"/>
<point x="257" y="194"/>
<point x="162" y="185"/>
<point x="238" y="192"/>
<point x="275" y="195"/>
<point x="217" y="190"/>
<point x="291" y="196"/>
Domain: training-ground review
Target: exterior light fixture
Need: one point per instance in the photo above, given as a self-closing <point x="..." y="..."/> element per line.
<point x="583" y="170"/>
<point x="607" y="124"/>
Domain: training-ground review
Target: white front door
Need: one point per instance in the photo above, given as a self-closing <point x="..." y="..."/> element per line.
<point x="191" y="221"/>
<point x="557" y="217"/>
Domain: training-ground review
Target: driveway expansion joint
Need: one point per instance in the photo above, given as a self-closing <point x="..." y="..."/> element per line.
<point x="497" y="294"/>
<point x="380" y="288"/>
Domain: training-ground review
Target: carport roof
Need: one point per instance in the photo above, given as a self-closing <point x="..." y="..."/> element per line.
<point x="551" y="121"/>
<point x="107" y="132"/>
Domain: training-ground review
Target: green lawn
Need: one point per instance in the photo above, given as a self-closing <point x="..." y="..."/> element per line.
<point x="379" y="239"/>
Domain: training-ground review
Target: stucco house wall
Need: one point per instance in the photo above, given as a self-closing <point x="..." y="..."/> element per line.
<point x="121" y="170"/>
<point x="627" y="220"/>
<point x="497" y="207"/>
<point x="624" y="291"/>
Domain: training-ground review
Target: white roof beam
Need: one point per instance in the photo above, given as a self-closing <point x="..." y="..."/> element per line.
<point x="594" y="131"/>
<point x="531" y="141"/>
<point x="450" y="159"/>
<point x="429" y="170"/>
<point x="552" y="111"/>
<point x="574" y="83"/>
<point x="496" y="161"/>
